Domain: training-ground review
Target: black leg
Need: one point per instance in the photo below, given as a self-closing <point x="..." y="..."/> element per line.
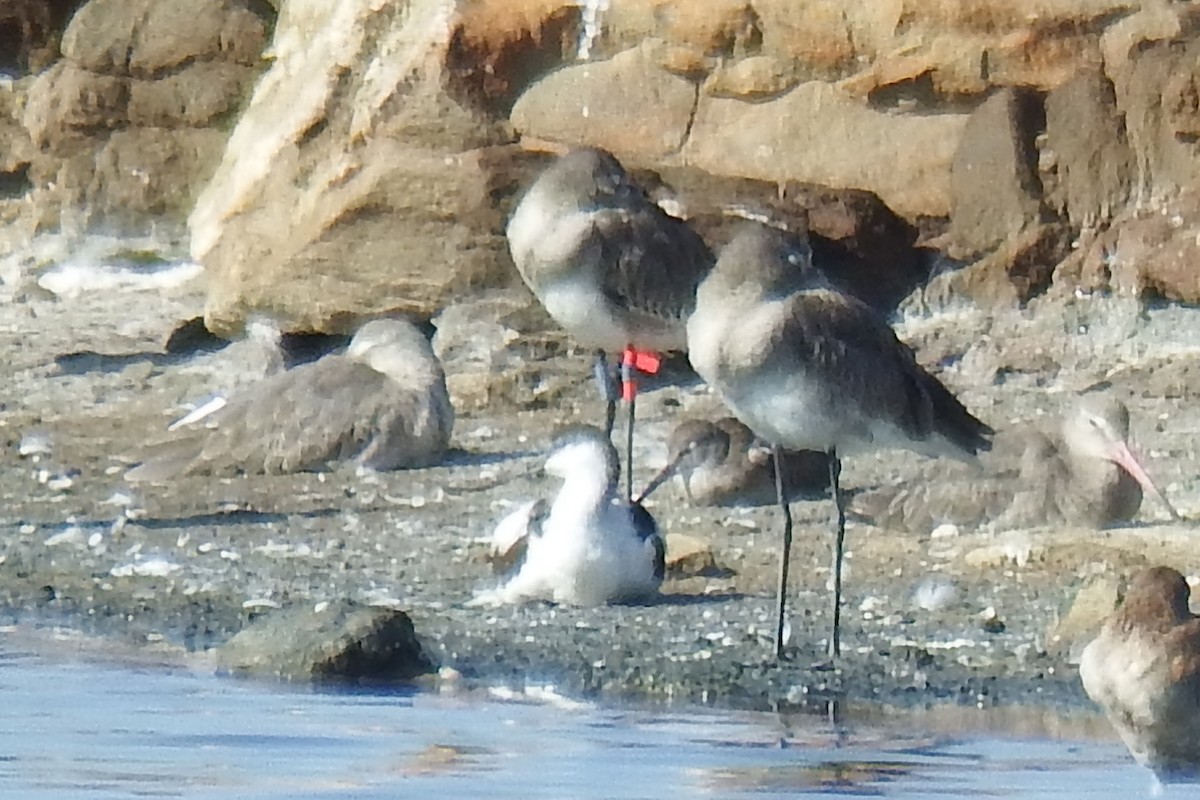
<point x="629" y="391"/>
<point x="839" y="544"/>
<point x="608" y="390"/>
<point x="785" y="556"/>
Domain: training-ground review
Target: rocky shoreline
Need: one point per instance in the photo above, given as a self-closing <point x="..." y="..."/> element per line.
<point x="290" y="559"/>
<point x="1018" y="180"/>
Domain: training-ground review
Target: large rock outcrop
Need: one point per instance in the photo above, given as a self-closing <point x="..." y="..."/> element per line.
<point x="366" y="173"/>
<point x="374" y="164"/>
<point x="128" y="124"/>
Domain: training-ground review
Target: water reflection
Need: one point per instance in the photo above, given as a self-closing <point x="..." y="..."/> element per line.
<point x="75" y="729"/>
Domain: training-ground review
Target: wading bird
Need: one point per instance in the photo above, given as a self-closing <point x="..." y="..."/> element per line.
<point x="809" y="368"/>
<point x="609" y="265"/>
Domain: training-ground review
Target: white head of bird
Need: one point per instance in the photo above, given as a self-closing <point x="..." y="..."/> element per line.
<point x="586" y="462"/>
<point x="395" y="348"/>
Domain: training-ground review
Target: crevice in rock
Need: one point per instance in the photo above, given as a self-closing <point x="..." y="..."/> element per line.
<point x="922" y="93"/>
<point x="15" y="183"/>
<point x="30" y="31"/>
<point x="11" y="42"/>
<point x="264" y="11"/>
<point x="691" y="120"/>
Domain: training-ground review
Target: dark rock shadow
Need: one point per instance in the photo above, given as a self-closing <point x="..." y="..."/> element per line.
<point x="695" y="599"/>
<point x="84" y="362"/>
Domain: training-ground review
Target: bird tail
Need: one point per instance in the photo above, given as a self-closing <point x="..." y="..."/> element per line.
<point x="165" y="460"/>
<point x="954" y="423"/>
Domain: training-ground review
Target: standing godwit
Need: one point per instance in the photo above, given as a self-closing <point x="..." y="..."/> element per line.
<point x="1144" y="671"/>
<point x="609" y="265"/>
<point x="720" y="464"/>
<point x="587" y="547"/>
<point x="382" y="404"/>
<point x="809" y="368"/>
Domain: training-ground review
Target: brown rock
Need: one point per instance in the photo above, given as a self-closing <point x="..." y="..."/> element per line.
<point x="341" y="640"/>
<point x="121" y="181"/>
<point x="1043" y="51"/>
<point x="816" y="134"/>
<point x="946" y="51"/>
<point x="355" y="192"/>
<point x="100" y="35"/>
<point x="146" y="37"/>
<point x="402" y="229"/>
<point x="712" y="28"/>
<point x="66" y="102"/>
<point x="686" y="62"/>
<point x="926" y="77"/>
<point x="688" y="556"/>
<point x="816" y="33"/>
<point x="498" y="47"/>
<point x="716" y="27"/>
<point x="103" y="115"/>
<point x="858" y="241"/>
<point x="176" y="32"/>
<point x="1142" y="253"/>
<point x="28" y="34"/>
<point x="1019" y="270"/>
<point x="199" y="94"/>
<point x="1181" y="103"/>
<point x="1157" y="254"/>
<point x="151" y="172"/>
<point x="1082" y="621"/>
<point x="1149" y="59"/>
<point x="590" y="103"/>
<point x="16" y="146"/>
<point x="1092" y="162"/>
<point x="994" y="183"/>
<point x="752" y="78"/>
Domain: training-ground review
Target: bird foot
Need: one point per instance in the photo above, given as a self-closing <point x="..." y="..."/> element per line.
<point x="825" y="665"/>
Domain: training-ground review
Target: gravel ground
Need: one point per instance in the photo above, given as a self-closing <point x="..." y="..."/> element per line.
<point x="190" y="564"/>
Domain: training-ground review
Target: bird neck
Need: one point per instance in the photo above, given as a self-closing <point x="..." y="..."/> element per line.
<point x="407" y="368"/>
<point x="583" y="494"/>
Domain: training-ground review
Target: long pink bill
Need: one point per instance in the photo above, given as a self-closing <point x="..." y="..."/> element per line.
<point x="1120" y="453"/>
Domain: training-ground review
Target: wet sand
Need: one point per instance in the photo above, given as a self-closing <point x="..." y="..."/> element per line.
<point x="189" y="565"/>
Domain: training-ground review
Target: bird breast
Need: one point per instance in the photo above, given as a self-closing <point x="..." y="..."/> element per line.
<point x="547" y="241"/>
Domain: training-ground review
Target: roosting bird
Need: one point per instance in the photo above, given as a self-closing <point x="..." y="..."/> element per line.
<point x="1083" y="475"/>
<point x="381" y="405"/>
<point x="721" y="464"/>
<point x="1144" y="671"/>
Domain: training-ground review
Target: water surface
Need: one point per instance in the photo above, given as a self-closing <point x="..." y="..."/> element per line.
<point x="80" y="729"/>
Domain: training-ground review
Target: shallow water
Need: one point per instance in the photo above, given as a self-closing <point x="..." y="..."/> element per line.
<point x="72" y="728"/>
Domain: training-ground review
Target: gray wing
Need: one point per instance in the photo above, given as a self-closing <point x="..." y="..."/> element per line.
<point x="646" y="530"/>
<point x="847" y="345"/>
<point x="654" y="261"/>
<point x="331" y="410"/>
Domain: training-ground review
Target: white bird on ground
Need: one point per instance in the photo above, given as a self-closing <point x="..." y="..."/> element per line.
<point x="587" y="547"/>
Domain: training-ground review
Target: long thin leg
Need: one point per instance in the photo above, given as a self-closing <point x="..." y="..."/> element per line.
<point x="786" y="555"/>
<point x="629" y="393"/>
<point x="839" y="545"/>
<point x="608" y="390"/>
